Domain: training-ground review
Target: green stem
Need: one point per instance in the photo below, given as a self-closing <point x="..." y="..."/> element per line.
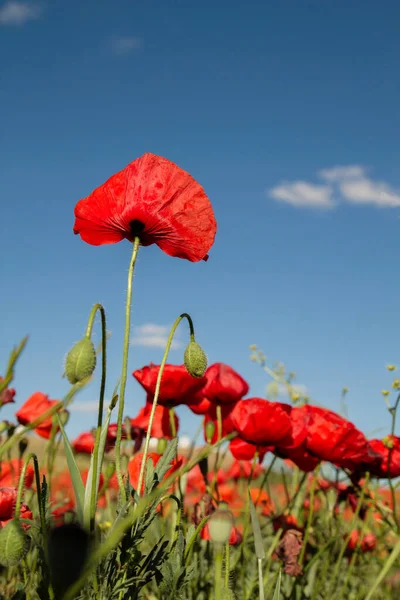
<point x="124" y="371"/>
<point x="95" y="488"/>
<point x="157" y="393"/>
<point x="218" y="572"/>
<point x="172" y="421"/>
<point x="393" y="412"/>
<point x="227" y="564"/>
<point x="260" y="580"/>
<point x="310" y="516"/>
<point x="42" y="514"/>
<point x="21" y="483"/>
<point x="347" y="539"/>
<point x="385" y="570"/>
<point x="193" y="539"/>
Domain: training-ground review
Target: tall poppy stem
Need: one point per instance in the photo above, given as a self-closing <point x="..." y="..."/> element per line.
<point x="157" y="393"/>
<point x="94" y="490"/>
<point x="124" y="370"/>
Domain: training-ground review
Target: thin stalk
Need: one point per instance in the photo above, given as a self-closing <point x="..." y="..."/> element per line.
<point x="124" y="371"/>
<point x="94" y="490"/>
<point x="157" y="393"/>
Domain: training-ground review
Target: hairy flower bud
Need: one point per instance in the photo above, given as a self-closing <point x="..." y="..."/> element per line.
<point x="209" y="431"/>
<point x="195" y="359"/>
<point x="161" y="445"/>
<point x="220" y="524"/>
<point x="13" y="543"/>
<point x="81" y="361"/>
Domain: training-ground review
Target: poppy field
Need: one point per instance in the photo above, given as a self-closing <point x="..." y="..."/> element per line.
<point x="272" y="501"/>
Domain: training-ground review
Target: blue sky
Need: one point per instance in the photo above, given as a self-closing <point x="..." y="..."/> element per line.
<point x="286" y="112"/>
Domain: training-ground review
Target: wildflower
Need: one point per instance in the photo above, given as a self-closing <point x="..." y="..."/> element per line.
<point x="391" y="367"/>
<point x="136" y="462"/>
<point x="84" y="443"/>
<point x="11" y="470"/>
<point x="7" y="395"/>
<point x="288" y="551"/>
<point x="161" y="427"/>
<point x="396" y="384"/>
<point x="155" y="200"/>
<point x="331" y="437"/>
<point x="261" y="422"/>
<point x="384" y="449"/>
<point x="244" y="469"/>
<point x="242" y="450"/>
<point x="33" y="408"/>
<point x="365" y="543"/>
<point x="177" y="385"/>
<point x="224" y="385"/>
<point x="8" y="498"/>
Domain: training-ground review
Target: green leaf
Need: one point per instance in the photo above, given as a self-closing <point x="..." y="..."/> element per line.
<point x="277" y="592"/>
<point x="77" y="483"/>
<point x="255" y="523"/>
<point x="165" y="461"/>
<point x="100" y="450"/>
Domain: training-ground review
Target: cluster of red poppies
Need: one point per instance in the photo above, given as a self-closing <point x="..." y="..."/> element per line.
<point x="304" y="434"/>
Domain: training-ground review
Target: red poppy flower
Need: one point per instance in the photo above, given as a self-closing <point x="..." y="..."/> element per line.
<point x="261" y="422"/>
<point x="300" y="457"/>
<point x="33" y="408"/>
<point x="243" y="469"/>
<point x="285" y="522"/>
<point x="242" y="450"/>
<point x="84" y="443"/>
<point x="24" y="513"/>
<point x="6" y="395"/>
<point x="200" y="405"/>
<point x="136" y="435"/>
<point x="155" y="200"/>
<point x="384" y="449"/>
<point x="135" y="463"/>
<point x="331" y="437"/>
<point x="161" y="425"/>
<point x="177" y="385"/>
<point x="366" y="543"/>
<point x="223" y="384"/>
<point x="195" y="481"/>
<point x="8" y="498"/>
<point x="10" y="472"/>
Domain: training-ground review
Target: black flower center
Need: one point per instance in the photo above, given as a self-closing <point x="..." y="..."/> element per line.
<point x="136" y="227"/>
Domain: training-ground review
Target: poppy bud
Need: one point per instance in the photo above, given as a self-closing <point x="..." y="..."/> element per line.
<point x="220" y="524"/>
<point x="22" y="446"/>
<point x="81" y="361"/>
<point x="209" y="431"/>
<point x="195" y="359"/>
<point x="161" y="445"/>
<point x="64" y="417"/>
<point x="124" y="463"/>
<point x="13" y="545"/>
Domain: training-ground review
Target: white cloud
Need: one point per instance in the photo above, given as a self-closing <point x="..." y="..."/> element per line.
<point x="349" y="184"/>
<point x="153" y="336"/>
<point x="89" y="406"/>
<point x="18" y="13"/>
<point x="301" y="193"/>
<point x="340" y="173"/>
<point x="365" y="191"/>
<point x="125" y="44"/>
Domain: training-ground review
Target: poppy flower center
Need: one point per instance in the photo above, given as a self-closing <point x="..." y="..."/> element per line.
<point x="136" y="227"/>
